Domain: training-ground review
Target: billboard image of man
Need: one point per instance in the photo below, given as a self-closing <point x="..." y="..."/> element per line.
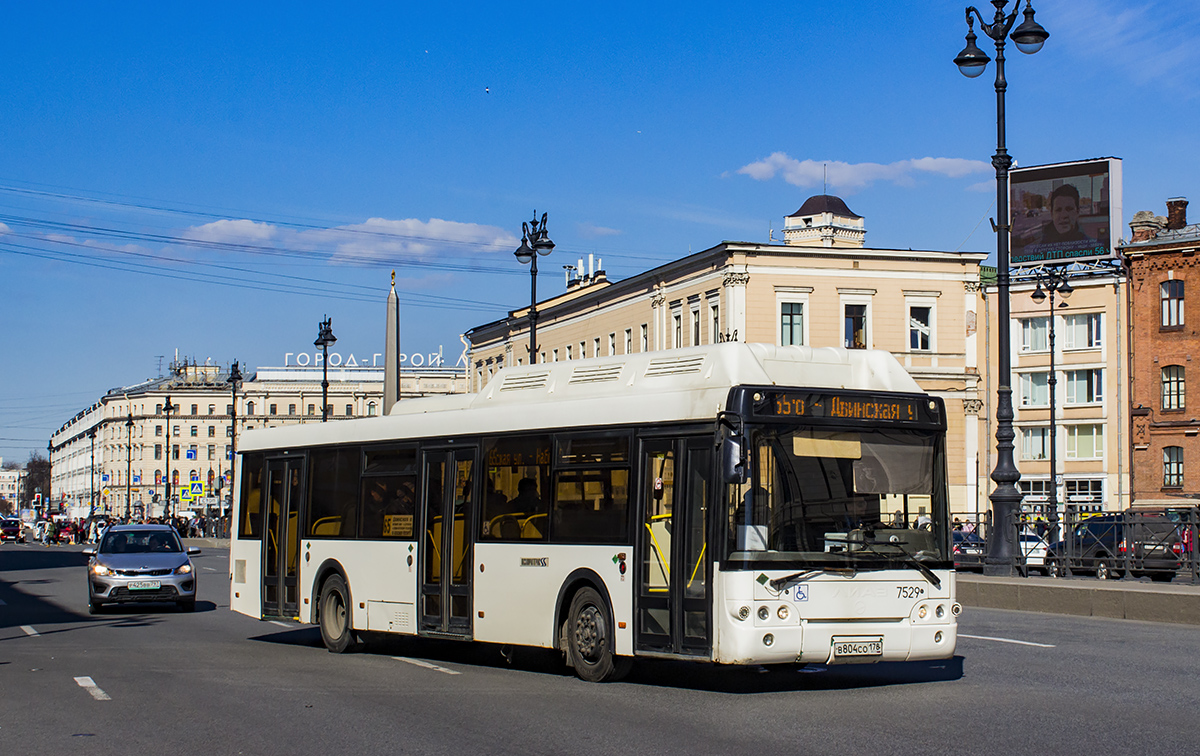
<point x="1064" y="212"/>
<point x="1063" y="225"/>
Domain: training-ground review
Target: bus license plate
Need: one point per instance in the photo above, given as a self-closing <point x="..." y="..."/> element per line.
<point x="858" y="646"/>
<point x="145" y="585"/>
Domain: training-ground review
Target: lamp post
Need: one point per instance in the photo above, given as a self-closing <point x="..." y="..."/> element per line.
<point x="325" y="339"/>
<point x="129" y="464"/>
<point x="1054" y="280"/>
<point x="1006" y="499"/>
<point x="534" y="242"/>
<point x="235" y="380"/>
<point x="167" y="407"/>
<point x="92" y="474"/>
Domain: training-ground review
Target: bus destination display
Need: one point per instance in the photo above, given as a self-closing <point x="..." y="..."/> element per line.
<point x="839" y="407"/>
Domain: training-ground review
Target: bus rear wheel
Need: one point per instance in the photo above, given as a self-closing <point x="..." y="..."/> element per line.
<point x="590" y="639"/>
<point x="334" y="618"/>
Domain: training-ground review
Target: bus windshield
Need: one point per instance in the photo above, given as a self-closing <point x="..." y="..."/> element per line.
<point x="839" y="498"/>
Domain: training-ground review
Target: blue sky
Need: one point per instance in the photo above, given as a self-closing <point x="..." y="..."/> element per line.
<point x="217" y="178"/>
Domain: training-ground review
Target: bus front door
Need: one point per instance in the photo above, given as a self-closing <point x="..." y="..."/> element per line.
<point x="674" y="566"/>
<point x="446" y="553"/>
<point x="281" y="541"/>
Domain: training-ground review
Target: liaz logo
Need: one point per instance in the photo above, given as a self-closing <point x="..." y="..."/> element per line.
<point x="535" y="561"/>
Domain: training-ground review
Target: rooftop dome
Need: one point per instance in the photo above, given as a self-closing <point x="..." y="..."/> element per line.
<point x="824" y="203"/>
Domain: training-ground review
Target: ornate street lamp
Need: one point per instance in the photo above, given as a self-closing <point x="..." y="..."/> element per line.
<point x="1055" y="280"/>
<point x="92" y="474"/>
<point x="1006" y="499"/>
<point x="167" y="407"/>
<point x="235" y="380"/>
<point x="129" y="464"/>
<point x="325" y="339"/>
<point x="534" y="242"/>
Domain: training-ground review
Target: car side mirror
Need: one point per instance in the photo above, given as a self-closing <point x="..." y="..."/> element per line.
<point x="193" y="550"/>
<point x="89" y="552"/>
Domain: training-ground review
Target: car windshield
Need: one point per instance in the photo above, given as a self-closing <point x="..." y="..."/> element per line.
<point x="826" y="498"/>
<point x="140" y="542"/>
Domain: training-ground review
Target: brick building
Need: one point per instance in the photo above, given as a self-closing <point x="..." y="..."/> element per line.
<point x="1164" y="304"/>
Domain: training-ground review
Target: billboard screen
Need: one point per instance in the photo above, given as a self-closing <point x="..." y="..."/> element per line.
<point x="1065" y="212"/>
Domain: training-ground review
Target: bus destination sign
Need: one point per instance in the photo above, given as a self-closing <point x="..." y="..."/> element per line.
<point x="841" y="407"/>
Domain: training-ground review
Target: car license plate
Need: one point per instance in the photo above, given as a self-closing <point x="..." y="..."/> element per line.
<point x="858" y="646"/>
<point x="145" y="585"/>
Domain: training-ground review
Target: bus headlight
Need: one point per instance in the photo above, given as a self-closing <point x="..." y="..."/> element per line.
<point x="783" y="612"/>
<point x="763" y="613"/>
<point x="924" y="610"/>
<point x="768" y="639"/>
<point x="940" y="611"/>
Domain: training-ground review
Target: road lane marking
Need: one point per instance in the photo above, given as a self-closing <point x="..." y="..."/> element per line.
<point x="30" y="631"/>
<point x="90" y="686"/>
<point x="281" y="624"/>
<point x="427" y="665"/>
<point x="1007" y="640"/>
<point x="211" y="569"/>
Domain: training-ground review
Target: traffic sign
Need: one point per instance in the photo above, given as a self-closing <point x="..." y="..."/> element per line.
<point x="137" y="478"/>
<point x="185" y="494"/>
<point x="197" y="488"/>
<point x="191" y="453"/>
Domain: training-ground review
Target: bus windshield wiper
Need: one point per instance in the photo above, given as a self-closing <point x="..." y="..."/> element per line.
<point x="908" y="559"/>
<point x="801" y="576"/>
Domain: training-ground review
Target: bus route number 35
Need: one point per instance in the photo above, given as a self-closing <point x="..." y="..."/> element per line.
<point x="909" y="591"/>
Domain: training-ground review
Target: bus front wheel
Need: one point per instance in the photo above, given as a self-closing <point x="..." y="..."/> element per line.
<point x="334" y="608"/>
<point x="590" y="639"/>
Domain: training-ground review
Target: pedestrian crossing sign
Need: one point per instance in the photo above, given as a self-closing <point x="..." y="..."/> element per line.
<point x="197" y="488"/>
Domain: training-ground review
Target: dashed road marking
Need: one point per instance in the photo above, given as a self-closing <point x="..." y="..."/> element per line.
<point x="30" y="631"/>
<point x="211" y="569"/>
<point x="281" y="624"/>
<point x="427" y="665"/>
<point x="90" y="686"/>
<point x="1007" y="640"/>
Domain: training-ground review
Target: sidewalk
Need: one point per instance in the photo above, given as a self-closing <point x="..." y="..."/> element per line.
<point x="207" y="543"/>
<point x="1086" y="597"/>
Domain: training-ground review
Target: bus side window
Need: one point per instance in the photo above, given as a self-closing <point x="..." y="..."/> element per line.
<point x="516" y="491"/>
<point x="250" y="520"/>
<point x="333" y="492"/>
<point x="591" y="489"/>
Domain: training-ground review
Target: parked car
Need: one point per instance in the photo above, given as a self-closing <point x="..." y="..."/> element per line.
<point x="11" y="529"/>
<point x="1033" y="550"/>
<point x="141" y="563"/>
<point x="1145" y="544"/>
<point x="969" y="551"/>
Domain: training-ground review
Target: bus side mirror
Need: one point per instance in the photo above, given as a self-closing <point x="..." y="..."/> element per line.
<point x="733" y="459"/>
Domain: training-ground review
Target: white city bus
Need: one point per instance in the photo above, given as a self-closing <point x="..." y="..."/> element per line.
<point x="737" y="503"/>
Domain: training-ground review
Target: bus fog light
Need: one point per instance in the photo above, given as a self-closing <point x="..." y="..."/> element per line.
<point x="941" y="611"/>
<point x="783" y="612"/>
<point x="922" y="611"/>
<point x="768" y="639"/>
<point x="937" y="637"/>
<point x="763" y="612"/>
<point x="744" y="612"/>
<point x="956" y="609"/>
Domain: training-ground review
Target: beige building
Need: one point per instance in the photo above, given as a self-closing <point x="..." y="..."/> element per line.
<point x="10" y="489"/>
<point x="821" y="287"/>
<point x="1091" y="394"/>
<point x="120" y="448"/>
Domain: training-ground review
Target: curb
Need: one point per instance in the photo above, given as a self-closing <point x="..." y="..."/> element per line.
<point x="212" y="543"/>
<point x="1178" y="604"/>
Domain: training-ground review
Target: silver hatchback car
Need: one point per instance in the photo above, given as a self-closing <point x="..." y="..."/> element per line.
<point x="141" y="563"/>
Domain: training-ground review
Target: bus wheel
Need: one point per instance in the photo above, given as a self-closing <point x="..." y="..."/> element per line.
<point x="334" y="608"/>
<point x="590" y="639"/>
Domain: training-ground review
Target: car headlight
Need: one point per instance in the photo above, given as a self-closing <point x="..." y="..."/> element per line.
<point x="183" y="569"/>
<point x="100" y="569"/>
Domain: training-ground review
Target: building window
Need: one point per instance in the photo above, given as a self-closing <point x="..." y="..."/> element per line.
<point x="175" y="451"/>
<point x="158" y="409"/>
<point x="918" y="329"/>
<point x="1172" y="303"/>
<point x="1083" y="331"/>
<point x="1035" y="490"/>
<point x="583" y="350"/>
<point x="158" y="430"/>
<point x="1172" y="387"/>
<point x="195" y="409"/>
<point x="158" y="451"/>
<point x="228" y="409"/>
<point x="1172" y="466"/>
<point x="696" y="326"/>
<point x="645" y="338"/>
<point x="612" y="344"/>
<point x="1035" y="443"/>
<point x="856" y="326"/>
<point x="628" y="341"/>
<point x="1035" y="334"/>
<point x="212" y="451"/>
<point x="596" y="347"/>
<point x="714" y="316"/>
<point x="349" y="410"/>
<point x="175" y="430"/>
<point x="291" y="409"/>
<point x="791" y="323"/>
<point x="312" y="409"/>
<point x="554" y="355"/>
<point x="195" y="431"/>
<point x="212" y="409"/>
<point x="274" y="409"/>
<point x="568" y="351"/>
<point x="1035" y="390"/>
<point x="677" y="319"/>
<point x="1085" y="386"/>
<point x="371" y="409"/>
<point x="212" y="431"/>
<point x="249" y="408"/>
<point x="1084" y="492"/>
<point x="1085" y="441"/>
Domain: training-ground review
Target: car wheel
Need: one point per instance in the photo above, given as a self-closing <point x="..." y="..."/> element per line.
<point x="94" y="607"/>
<point x="187" y="606"/>
<point x="590" y="639"/>
<point x="1104" y="570"/>
<point x="334" y="617"/>
<point x="1054" y="569"/>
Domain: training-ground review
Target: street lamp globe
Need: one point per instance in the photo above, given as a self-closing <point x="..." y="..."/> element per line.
<point x="1029" y="36"/>
<point x="971" y="61"/>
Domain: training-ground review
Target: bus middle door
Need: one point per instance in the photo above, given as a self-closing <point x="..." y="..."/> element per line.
<point x="447" y="562"/>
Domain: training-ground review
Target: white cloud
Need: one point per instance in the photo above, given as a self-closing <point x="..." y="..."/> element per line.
<point x="380" y="238"/>
<point x="4" y="229"/>
<point x="592" y="231"/>
<point x="232" y="232"/>
<point x="982" y="186"/>
<point x="853" y="176"/>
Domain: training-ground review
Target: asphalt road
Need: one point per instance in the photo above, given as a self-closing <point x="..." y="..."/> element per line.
<point x="157" y="681"/>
